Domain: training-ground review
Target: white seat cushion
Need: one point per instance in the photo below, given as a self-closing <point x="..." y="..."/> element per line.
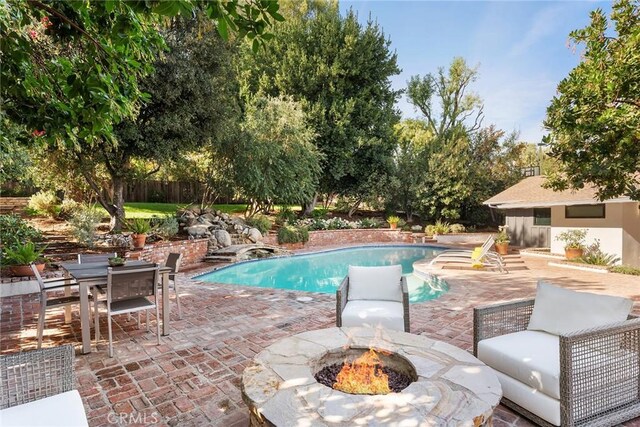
<point x="388" y="314"/>
<point x="560" y="311"/>
<point x="60" y="410"/>
<point x="531" y="357"/>
<point x="375" y="283"/>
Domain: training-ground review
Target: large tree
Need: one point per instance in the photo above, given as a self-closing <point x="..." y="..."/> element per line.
<point x="339" y="70"/>
<point x="595" y="118"/>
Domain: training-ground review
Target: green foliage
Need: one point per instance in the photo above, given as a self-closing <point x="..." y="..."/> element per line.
<point x="573" y="239"/>
<point x="15" y="231"/>
<point x="393" y="220"/>
<point x="340" y="72"/>
<point x="286" y="216"/>
<point x="595" y="117"/>
<point x="593" y="255"/>
<point x="458" y="228"/>
<point x="625" y="269"/>
<point x="22" y="254"/>
<point x="139" y="225"/>
<point x="166" y="226"/>
<point x="261" y="222"/>
<point x="293" y="234"/>
<point x="277" y="162"/>
<point x="440" y="227"/>
<point x="502" y="236"/>
<point x="370" y="223"/>
<point x="46" y="203"/>
<point x="83" y="222"/>
<point x="320" y="213"/>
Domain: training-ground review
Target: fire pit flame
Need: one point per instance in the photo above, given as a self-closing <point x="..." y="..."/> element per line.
<point x="363" y="376"/>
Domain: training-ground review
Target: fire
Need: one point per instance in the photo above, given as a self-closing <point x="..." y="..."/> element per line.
<point x="363" y="376"/>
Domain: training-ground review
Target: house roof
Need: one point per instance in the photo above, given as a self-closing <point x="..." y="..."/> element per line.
<point x="529" y="193"/>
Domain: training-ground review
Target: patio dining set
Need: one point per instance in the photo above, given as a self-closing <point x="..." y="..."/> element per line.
<point x="565" y="358"/>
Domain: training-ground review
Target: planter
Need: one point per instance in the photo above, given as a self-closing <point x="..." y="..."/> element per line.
<point x="138" y="240"/>
<point x="393" y="226"/>
<point x="573" y="253"/>
<point x="502" y="248"/>
<point x="23" y="270"/>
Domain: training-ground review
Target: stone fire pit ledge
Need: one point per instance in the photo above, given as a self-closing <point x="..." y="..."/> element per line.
<point x="452" y="387"/>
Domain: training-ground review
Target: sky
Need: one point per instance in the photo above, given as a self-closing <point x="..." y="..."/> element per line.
<point x="521" y="48"/>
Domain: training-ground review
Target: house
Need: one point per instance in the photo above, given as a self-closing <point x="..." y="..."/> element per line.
<point x="536" y="215"/>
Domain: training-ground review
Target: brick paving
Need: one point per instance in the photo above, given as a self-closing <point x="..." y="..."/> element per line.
<point x="194" y="377"/>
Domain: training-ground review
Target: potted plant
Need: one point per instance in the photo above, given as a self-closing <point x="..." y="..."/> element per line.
<point x="20" y="257"/>
<point x="574" y="242"/>
<point x="393" y="222"/>
<point x="502" y="240"/>
<point x="116" y="261"/>
<point x="139" y="227"/>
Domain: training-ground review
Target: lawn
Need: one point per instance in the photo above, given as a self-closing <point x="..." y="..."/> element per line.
<point x="148" y="210"/>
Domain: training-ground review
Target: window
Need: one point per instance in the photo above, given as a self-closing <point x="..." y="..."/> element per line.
<point x="542" y="216"/>
<point x="584" y="211"/>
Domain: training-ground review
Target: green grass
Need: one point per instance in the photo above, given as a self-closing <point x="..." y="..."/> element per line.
<point x="148" y="210"/>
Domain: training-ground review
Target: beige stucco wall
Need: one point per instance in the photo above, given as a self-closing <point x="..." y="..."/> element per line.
<point x="607" y="230"/>
<point x="631" y="234"/>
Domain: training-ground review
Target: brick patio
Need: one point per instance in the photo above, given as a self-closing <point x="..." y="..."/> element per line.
<point x="193" y="378"/>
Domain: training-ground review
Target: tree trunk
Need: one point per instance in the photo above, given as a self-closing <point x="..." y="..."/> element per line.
<point x="117" y="212"/>
<point x="309" y="206"/>
<point x="354" y="208"/>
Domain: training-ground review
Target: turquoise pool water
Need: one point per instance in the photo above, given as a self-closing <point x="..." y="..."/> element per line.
<point x="323" y="271"/>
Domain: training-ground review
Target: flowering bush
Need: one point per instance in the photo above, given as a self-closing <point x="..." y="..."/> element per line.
<point x="338" y="223"/>
<point x="502" y="236"/>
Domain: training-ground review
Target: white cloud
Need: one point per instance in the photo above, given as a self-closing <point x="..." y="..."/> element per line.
<point x="544" y="24"/>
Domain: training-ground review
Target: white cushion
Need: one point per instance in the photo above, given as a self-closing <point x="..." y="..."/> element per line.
<point x="375" y="283"/>
<point x="388" y="314"/>
<point x="561" y="311"/>
<point x="60" y="410"/>
<point x="530" y="399"/>
<point x="531" y="357"/>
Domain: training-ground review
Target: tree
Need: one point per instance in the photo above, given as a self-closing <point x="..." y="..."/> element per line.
<point x="594" y="120"/>
<point x="277" y="162"/>
<point x="339" y="71"/>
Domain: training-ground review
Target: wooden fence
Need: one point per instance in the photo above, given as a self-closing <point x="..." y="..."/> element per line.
<point x="164" y="192"/>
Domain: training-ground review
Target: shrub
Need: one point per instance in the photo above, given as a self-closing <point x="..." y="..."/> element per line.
<point x="593" y="255"/>
<point x="458" y="228"/>
<point x="286" y="216"/>
<point x="139" y="226"/>
<point x="83" y="223"/>
<point x="573" y="239"/>
<point x="22" y="254"/>
<point x="320" y="213"/>
<point x="261" y="222"/>
<point x="293" y="234"/>
<point x="68" y="207"/>
<point x="14" y="231"/>
<point x="625" y="269"/>
<point x="46" y="203"/>
<point x="166" y="226"/>
<point x="370" y="223"/>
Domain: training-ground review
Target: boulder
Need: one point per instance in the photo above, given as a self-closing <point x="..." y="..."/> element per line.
<point x="209" y="217"/>
<point x="223" y="238"/>
<point x="197" y="231"/>
<point x="253" y="235"/>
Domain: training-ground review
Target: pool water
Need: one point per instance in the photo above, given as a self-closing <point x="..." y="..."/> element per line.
<point x="324" y="271"/>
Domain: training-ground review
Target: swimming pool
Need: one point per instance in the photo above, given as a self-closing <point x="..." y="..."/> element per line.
<point x="323" y="271"/>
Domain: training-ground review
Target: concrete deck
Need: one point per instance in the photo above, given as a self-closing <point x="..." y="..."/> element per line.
<point x="193" y="378"/>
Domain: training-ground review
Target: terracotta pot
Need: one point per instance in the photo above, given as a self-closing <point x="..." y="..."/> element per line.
<point x="573" y="253"/>
<point x="23" y="270"/>
<point x="138" y="240"/>
<point x="502" y="247"/>
<point x="393" y="226"/>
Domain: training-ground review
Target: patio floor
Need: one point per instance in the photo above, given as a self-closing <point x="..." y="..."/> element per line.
<point x="193" y="378"/>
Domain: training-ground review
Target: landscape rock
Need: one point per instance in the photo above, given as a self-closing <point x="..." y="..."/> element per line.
<point x="223" y="238"/>
<point x="253" y="235"/>
<point x="197" y="231"/>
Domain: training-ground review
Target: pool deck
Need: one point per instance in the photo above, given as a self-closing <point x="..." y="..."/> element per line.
<point x="193" y="378"/>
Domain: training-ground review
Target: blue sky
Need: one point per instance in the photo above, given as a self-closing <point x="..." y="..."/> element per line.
<point x="521" y="48"/>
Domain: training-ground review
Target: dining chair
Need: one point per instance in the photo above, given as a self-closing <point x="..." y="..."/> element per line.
<point x="85" y="258"/>
<point x="129" y="290"/>
<point x="173" y="262"/>
<point x="47" y="302"/>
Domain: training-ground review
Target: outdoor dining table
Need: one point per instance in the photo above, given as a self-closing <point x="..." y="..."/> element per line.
<point x="95" y="273"/>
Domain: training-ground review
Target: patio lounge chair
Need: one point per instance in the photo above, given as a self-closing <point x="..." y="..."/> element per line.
<point x="566" y="358"/>
<point x="373" y="296"/>
<point x="482" y="256"/>
<point x="36" y="389"/>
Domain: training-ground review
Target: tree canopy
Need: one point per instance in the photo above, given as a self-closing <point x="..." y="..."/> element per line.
<point x="595" y="118"/>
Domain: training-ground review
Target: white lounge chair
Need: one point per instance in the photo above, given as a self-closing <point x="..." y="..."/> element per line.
<point x="484" y="257"/>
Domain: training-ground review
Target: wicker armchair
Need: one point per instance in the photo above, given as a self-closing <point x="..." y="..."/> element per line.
<point x="37" y="389"/>
<point x="342" y="297"/>
<point x="599" y="367"/>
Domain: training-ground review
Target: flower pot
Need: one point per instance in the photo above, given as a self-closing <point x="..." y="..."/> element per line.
<point x="502" y="247"/>
<point x="23" y="270"/>
<point x="393" y="226"/>
<point x="573" y="253"/>
<point x="138" y="240"/>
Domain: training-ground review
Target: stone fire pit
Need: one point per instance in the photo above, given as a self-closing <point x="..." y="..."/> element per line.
<point x="450" y="386"/>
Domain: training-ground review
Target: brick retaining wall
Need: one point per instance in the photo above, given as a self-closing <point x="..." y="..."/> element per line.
<point x="325" y="238"/>
<point x="192" y="251"/>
